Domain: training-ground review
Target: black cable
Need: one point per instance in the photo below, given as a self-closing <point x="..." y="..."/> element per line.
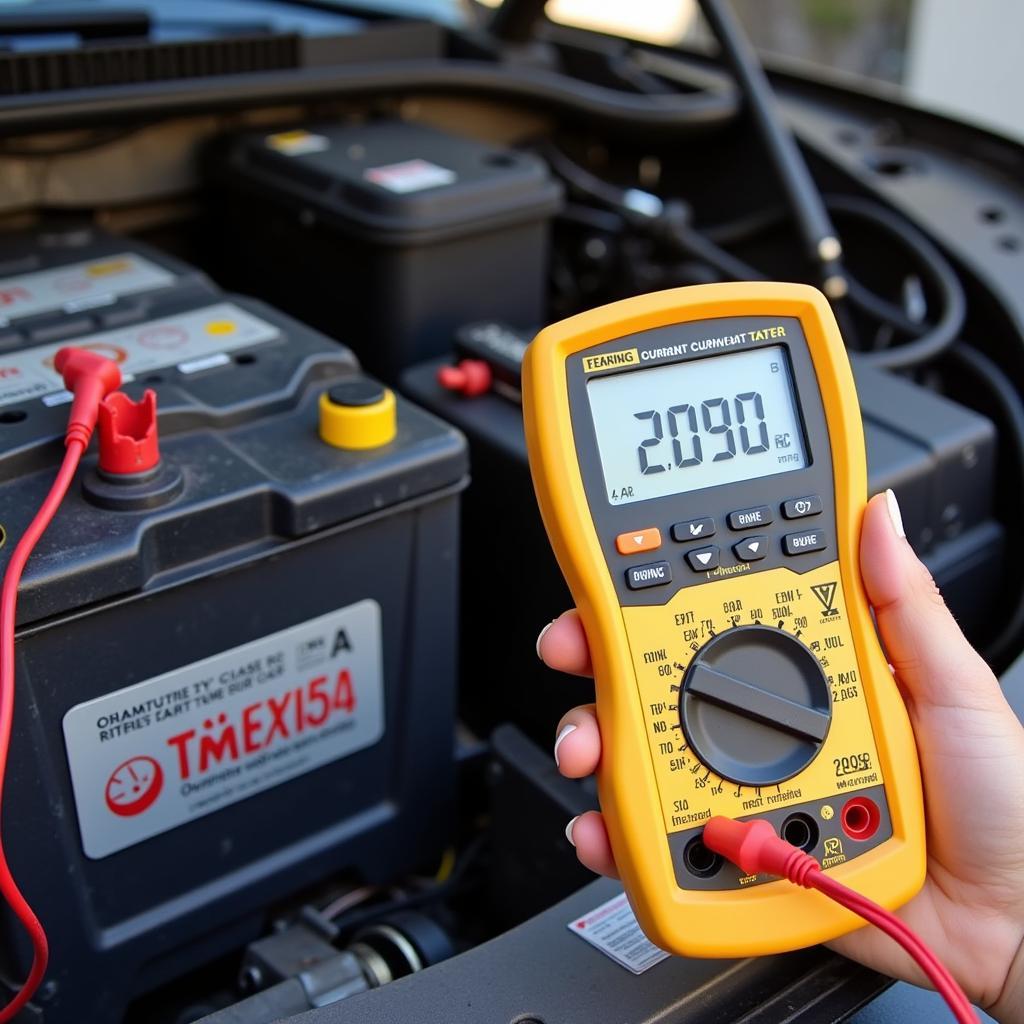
<point x="677" y="231"/>
<point x="821" y="243"/>
<point x="1006" y="643"/>
<point x="742" y="228"/>
<point x="363" y="914"/>
<point x="929" y="340"/>
<point x="670" y="222"/>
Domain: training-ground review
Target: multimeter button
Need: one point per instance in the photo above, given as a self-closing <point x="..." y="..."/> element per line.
<point x="797" y="508"/>
<point x="653" y="574"/>
<point x="806" y="540"/>
<point x="694" y="529"/>
<point x="638" y="540"/>
<point x="703" y="558"/>
<point x="752" y="549"/>
<point x="747" y="518"/>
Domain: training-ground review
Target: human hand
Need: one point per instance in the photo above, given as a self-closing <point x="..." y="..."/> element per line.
<point x="971" y="748"/>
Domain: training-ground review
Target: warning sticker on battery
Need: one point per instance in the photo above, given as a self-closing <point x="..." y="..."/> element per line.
<point x="29" y="373"/>
<point x="155" y="755"/>
<point x="410" y="176"/>
<point x="78" y="286"/>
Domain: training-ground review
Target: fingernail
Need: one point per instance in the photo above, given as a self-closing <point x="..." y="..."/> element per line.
<point x="561" y="736"/>
<point x="568" y="830"/>
<point x="540" y="636"/>
<point x="894" y="514"/>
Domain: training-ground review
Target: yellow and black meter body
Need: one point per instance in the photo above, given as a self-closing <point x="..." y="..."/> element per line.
<point x="699" y="462"/>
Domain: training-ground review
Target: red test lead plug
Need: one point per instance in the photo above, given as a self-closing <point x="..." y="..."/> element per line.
<point x="754" y="847"/>
<point x="90" y="378"/>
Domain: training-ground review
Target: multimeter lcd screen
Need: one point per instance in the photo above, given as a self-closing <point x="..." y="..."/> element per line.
<point x="689" y="425"/>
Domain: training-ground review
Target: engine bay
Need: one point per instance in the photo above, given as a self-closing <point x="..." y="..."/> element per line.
<point x="281" y="739"/>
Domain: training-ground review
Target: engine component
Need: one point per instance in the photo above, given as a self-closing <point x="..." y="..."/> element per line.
<point x="396" y="233"/>
<point x="235" y="670"/>
<point x="298" y="968"/>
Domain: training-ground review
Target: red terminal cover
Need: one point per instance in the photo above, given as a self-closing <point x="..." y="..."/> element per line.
<point x="128" y="434"/>
<point x="471" y="377"/>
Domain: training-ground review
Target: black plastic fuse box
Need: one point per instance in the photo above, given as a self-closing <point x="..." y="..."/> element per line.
<point x="63" y="281"/>
<point x="938" y="457"/>
<point x="235" y="680"/>
<point x="388" y="234"/>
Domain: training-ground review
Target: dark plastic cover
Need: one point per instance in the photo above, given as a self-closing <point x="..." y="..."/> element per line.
<point x="405" y="181"/>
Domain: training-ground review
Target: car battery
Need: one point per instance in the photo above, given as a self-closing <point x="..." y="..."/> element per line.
<point x="937" y="456"/>
<point x="62" y="281"/>
<point x="235" y="677"/>
<point x="387" y="234"/>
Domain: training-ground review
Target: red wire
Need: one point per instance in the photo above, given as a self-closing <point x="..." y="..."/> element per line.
<point x="8" y="603"/>
<point x="937" y="973"/>
<point x="755" y="847"/>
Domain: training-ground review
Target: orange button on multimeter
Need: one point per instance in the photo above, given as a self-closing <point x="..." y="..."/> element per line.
<point x="633" y="542"/>
<point x="743" y="679"/>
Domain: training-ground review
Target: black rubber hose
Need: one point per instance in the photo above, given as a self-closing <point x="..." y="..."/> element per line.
<point x="624" y="112"/>
<point x="929" y="340"/>
<point x="1006" y="643"/>
<point x="670" y="222"/>
<point x="820" y="240"/>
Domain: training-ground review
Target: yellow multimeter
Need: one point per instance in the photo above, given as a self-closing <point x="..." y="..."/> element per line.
<point x="699" y="462"/>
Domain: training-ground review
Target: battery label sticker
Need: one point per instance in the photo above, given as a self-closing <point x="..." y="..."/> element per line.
<point x="613" y="929"/>
<point x="29" y="373"/>
<point x="163" y="752"/>
<point x="410" y="176"/>
<point x="79" y="285"/>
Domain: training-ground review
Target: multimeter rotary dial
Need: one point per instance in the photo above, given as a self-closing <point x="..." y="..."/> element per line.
<point x="755" y="705"/>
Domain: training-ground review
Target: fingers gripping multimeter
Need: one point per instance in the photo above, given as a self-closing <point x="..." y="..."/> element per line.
<point x="699" y="463"/>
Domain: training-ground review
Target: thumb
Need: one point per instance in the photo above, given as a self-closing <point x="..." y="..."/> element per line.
<point x="934" y="663"/>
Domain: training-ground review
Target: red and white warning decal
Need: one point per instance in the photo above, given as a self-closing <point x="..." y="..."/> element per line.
<point x="152" y="756"/>
<point x="613" y="929"/>
<point x="183" y="338"/>
<point x="410" y="176"/>
<point x="77" y="286"/>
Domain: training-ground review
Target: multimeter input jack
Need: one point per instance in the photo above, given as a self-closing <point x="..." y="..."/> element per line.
<point x="701" y="861"/>
<point x="860" y="818"/>
<point x="801" y="831"/>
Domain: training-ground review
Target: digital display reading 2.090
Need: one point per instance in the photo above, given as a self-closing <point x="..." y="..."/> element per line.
<point x="696" y="424"/>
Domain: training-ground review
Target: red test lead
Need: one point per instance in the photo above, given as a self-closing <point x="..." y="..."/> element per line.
<point x="90" y="378"/>
<point x="755" y="849"/>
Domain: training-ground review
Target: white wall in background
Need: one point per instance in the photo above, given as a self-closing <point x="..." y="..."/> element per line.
<point x="966" y="57"/>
